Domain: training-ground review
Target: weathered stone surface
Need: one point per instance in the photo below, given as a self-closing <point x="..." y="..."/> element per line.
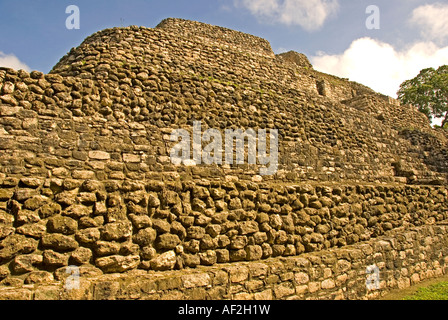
<point x="55" y="259"/>
<point x="167" y="241"/>
<point x="104" y="248"/>
<point x="195" y="232"/>
<point x="16" y="244"/>
<point x="238" y="242"/>
<point x="161" y="226"/>
<point x="145" y="237"/>
<point x="99" y="155"/>
<point x="165" y="261"/>
<point x="23" y="294"/>
<point x="62" y="224"/>
<point x="59" y="242"/>
<point x="196" y="280"/>
<point x="248" y="227"/>
<point x="4" y="272"/>
<point x="77" y="211"/>
<point x="35" y="202"/>
<point x="83" y="174"/>
<point x="117" y="263"/>
<point x="9" y="99"/>
<point x="36" y="277"/>
<point x="191" y="260"/>
<point x="88" y="236"/>
<point x="31" y="182"/>
<point x="283" y="290"/>
<point x="6" y="194"/>
<point x="208" y="257"/>
<point x="85" y="272"/>
<point x="153" y="200"/>
<point x="133" y="158"/>
<point x="238" y="274"/>
<point x="81" y="255"/>
<point x="254" y="252"/>
<point x="5" y="231"/>
<point x="116" y="231"/>
<point x="26" y="263"/>
<point x="27" y="216"/>
<point x="49" y="210"/>
<point x="34" y="230"/>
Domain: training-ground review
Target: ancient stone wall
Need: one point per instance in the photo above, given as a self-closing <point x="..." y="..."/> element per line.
<point x="226" y="38"/>
<point x="117" y="227"/>
<point x="402" y="259"/>
<point x="86" y="177"/>
<point x="318" y="141"/>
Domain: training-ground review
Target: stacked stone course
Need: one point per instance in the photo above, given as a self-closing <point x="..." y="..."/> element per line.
<point x="403" y="259"/>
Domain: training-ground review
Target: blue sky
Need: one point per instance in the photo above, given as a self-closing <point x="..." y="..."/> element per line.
<point x="412" y="34"/>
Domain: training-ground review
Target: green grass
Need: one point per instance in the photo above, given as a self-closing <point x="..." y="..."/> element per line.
<point x="437" y="291"/>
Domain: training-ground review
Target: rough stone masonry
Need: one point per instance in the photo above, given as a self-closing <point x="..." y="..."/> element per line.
<point x="86" y="181"/>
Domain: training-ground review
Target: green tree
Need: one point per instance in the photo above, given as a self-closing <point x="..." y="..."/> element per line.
<point x="428" y="92"/>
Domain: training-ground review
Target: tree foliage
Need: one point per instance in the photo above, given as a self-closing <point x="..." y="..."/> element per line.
<point x="428" y="92"/>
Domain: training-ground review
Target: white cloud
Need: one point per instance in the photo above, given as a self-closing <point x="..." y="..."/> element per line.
<point x="432" y="20"/>
<point x="11" y="61"/>
<point x="379" y="65"/>
<point x="309" y="14"/>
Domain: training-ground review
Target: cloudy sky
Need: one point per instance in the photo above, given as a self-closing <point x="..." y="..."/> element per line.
<point x="378" y="46"/>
